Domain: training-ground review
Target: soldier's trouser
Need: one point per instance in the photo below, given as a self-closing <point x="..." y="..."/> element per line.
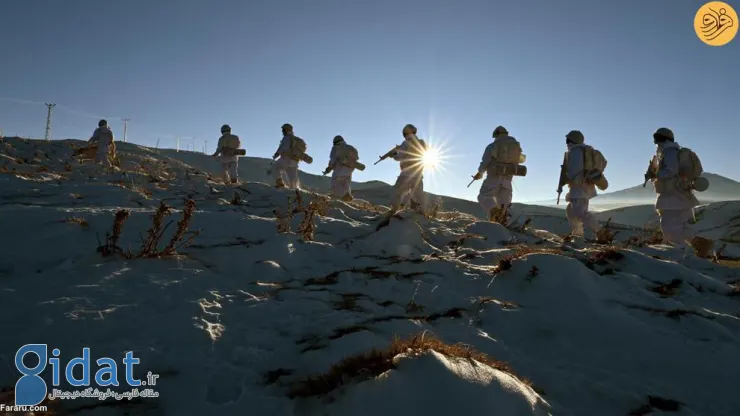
<point x="676" y="227"/>
<point x="230" y="171"/>
<point x="579" y="217"/>
<point x="286" y="170"/>
<point x="493" y="196"/>
<point x="102" y="156"/>
<point x="405" y="185"/>
<point x="341" y="186"/>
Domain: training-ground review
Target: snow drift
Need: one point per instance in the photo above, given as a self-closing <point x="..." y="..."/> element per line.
<point x="330" y="309"/>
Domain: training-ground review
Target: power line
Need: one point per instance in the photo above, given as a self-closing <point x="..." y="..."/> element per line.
<point x="125" y="128"/>
<point x="48" y="120"/>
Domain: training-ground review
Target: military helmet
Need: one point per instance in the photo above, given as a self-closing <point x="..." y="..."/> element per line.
<point x="575" y="137"/>
<point x="663" y="134"/>
<point x="500" y="130"/>
<point x="338" y="139"/>
<point x="225" y="128"/>
<point x="408" y="129"/>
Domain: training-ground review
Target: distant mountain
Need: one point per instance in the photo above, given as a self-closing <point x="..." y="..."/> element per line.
<point x="720" y="189"/>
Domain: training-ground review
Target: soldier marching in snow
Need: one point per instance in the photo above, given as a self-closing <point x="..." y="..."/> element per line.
<point x="501" y="162"/>
<point x="343" y="160"/>
<point x="228" y="152"/>
<point x="103" y="139"/>
<point x="291" y="151"/>
<point x="411" y="179"/>
<point x="675" y="172"/>
<point x="583" y="171"/>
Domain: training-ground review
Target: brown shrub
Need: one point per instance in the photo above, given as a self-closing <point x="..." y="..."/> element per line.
<point x="149" y="247"/>
<point x="78" y="220"/>
<point x="669" y="289"/>
<point x="376" y="362"/>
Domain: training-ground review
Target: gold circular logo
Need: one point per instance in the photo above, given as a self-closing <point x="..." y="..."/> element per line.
<point x="716" y="23"/>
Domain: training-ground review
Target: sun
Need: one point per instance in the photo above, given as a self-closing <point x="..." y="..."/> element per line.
<point x="431" y="158"/>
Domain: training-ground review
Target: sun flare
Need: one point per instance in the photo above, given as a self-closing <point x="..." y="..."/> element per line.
<point x="431" y="158"/>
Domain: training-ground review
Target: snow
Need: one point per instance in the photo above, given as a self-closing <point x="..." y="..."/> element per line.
<point x="245" y="314"/>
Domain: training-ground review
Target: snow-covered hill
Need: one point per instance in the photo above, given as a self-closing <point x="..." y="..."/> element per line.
<point x="348" y="314"/>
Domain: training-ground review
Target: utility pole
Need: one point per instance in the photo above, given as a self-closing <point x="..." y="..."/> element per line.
<point x="205" y="147"/>
<point x="178" y="145"/>
<point x="125" y="128"/>
<point x="48" y="119"/>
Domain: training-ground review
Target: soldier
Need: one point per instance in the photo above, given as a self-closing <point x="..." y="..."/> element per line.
<point x="343" y="160"/>
<point x="227" y="152"/>
<point x="291" y="151"/>
<point x="675" y="172"/>
<point x="411" y="179"/>
<point x="495" y="193"/>
<point x="103" y="139"/>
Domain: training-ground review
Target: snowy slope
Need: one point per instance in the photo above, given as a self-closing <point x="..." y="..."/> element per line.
<point x="248" y="320"/>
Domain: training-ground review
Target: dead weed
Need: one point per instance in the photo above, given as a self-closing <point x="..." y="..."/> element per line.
<point x="376" y="362"/>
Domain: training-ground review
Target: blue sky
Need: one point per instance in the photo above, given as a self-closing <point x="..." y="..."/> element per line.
<point x="616" y="70"/>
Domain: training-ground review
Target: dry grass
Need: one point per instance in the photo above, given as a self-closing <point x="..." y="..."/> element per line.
<point x="649" y="236"/>
<point x="182" y="237"/>
<point x="454" y="215"/>
<point x="435" y="210"/>
<point x="78" y="220"/>
<point x="365" y="206"/>
<point x="505" y="262"/>
<point x="669" y="289"/>
<point x="502" y="303"/>
<point x="236" y="199"/>
<point x="605" y="235"/>
<point x="349" y="302"/>
<point x="413" y="307"/>
<point x="307" y="228"/>
<point x="603" y="257"/>
<point x="371" y="364"/>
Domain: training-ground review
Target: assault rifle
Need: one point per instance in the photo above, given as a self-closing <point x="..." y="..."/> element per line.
<point x="649" y="173"/>
<point x="563" y="178"/>
<point x="387" y="155"/>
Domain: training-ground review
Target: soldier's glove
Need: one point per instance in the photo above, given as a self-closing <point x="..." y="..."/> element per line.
<point x="477" y="176"/>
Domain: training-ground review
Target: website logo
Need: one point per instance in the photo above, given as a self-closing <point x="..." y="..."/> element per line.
<point x="716" y="23"/>
<point x="31" y="389"/>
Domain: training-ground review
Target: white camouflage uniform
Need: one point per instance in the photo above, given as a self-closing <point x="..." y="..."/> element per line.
<point x="674" y="206"/>
<point x="579" y="193"/>
<point x="341" y="177"/>
<point x="285" y="169"/>
<point x="225" y="150"/>
<point x="496" y="190"/>
<point x="411" y="179"/>
<point x="103" y="138"/>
